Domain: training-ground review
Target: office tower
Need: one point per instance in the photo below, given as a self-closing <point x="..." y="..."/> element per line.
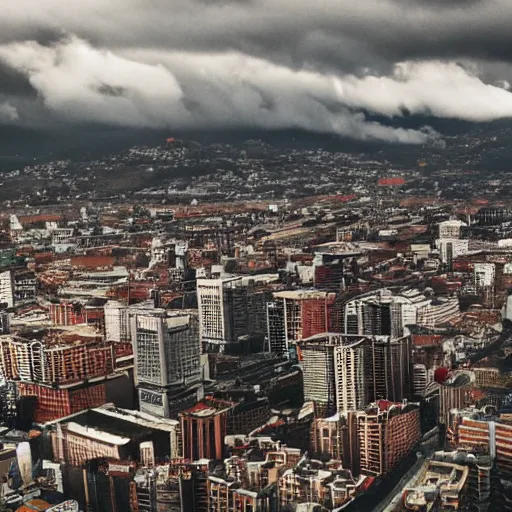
<point x="451" y="248"/>
<point x="388" y="368"/>
<point x="276" y="329"/>
<point x="25" y="286"/>
<point x="164" y="252"/>
<point x="420" y="379"/>
<point x="384" y="313"/>
<point x="508" y="308"/>
<point x="117" y="325"/>
<point x="5" y="322"/>
<point x="117" y="319"/>
<point x="369" y="314"/>
<point x="318" y="361"/>
<point x="299" y="314"/>
<point x="328" y="272"/>
<point x="218" y="308"/>
<point x="345" y="373"/>
<point x="230" y="310"/>
<point x="454" y="393"/>
<point x="167" y="359"/>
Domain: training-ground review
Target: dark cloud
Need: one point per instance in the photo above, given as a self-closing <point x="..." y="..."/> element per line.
<point x="15" y="83"/>
<point x="256" y="63"/>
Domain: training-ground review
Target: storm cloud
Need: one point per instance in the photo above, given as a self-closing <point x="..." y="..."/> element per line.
<point x="256" y="63"/>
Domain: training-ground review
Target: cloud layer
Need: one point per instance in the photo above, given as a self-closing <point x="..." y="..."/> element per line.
<point x="256" y="63"/>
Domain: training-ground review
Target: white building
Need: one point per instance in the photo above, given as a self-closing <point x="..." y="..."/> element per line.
<point x="7" y="288"/>
<point x="117" y="323"/>
<point x="226" y="308"/>
<point x="484" y="274"/>
<point x="450" y="228"/>
<point x="508" y="308"/>
<point x="450" y="248"/>
<point x="61" y="235"/>
<point x="420" y="251"/>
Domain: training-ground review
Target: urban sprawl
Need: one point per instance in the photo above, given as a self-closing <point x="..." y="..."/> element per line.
<point x="222" y="329"/>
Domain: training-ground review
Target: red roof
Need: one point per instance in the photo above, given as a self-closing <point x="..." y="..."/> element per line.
<point x="393" y="182"/>
<point x="426" y="339"/>
<point x="92" y="261"/>
<point x="347" y="198"/>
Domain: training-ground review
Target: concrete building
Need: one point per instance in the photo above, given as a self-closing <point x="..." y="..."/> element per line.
<point x="386" y="433"/>
<point x="454" y="393"/>
<point x="203" y="429"/>
<point x="451" y="248"/>
<point x="484" y="274"/>
<point x="345" y="373"/>
<point x="227" y="307"/>
<point x="298" y="314"/>
<point x="450" y="229"/>
<point x="167" y="359"/>
<point x="384" y="313"/>
<point x="421" y="378"/>
<point x="117" y="318"/>
<point x="7" y="288"/>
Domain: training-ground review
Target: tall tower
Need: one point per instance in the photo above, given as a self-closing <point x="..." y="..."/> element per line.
<point x="167" y="360"/>
<point x="346" y="373"/>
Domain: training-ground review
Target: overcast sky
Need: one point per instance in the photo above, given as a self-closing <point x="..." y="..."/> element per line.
<point x="255" y="63"/>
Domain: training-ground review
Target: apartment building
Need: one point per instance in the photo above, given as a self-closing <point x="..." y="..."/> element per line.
<point x="345" y="373"/>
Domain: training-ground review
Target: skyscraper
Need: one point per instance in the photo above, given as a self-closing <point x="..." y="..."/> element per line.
<point x="345" y="373"/>
<point x="298" y="314"/>
<point x="230" y="308"/>
<point x="167" y="359"/>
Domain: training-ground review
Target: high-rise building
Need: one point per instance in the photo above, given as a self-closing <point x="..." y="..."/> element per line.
<point x="296" y="315"/>
<point x="345" y="373"/>
<point x="384" y="313"/>
<point x="484" y="274"/>
<point x="203" y="429"/>
<point x="117" y="319"/>
<point x="230" y="309"/>
<point x="7" y="288"/>
<point x="167" y="359"/>
<point x="387" y="432"/>
<point x="451" y="248"/>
